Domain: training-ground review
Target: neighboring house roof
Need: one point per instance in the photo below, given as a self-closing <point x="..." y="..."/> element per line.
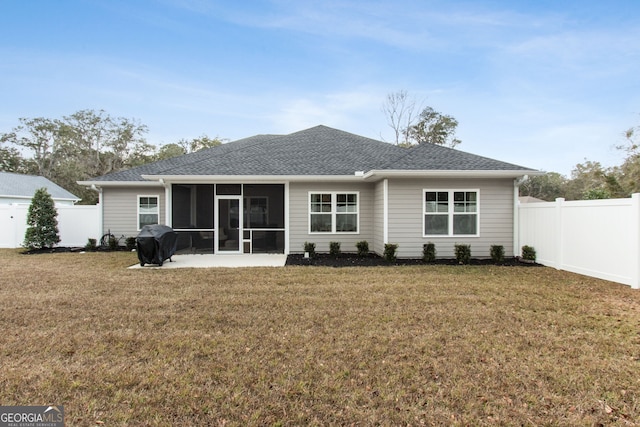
<point x="529" y="199"/>
<point x="19" y="186"/>
<point x="318" y="151"/>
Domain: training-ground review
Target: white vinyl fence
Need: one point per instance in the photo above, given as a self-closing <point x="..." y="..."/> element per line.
<point x="598" y="238"/>
<point x="75" y="223"/>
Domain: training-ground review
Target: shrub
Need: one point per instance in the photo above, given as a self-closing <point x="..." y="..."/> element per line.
<point x="463" y="253"/>
<point x="390" y="252"/>
<point x="92" y="245"/>
<point x="130" y="243"/>
<point x="429" y="252"/>
<point x="42" y="230"/>
<point x="363" y="248"/>
<point x="497" y="253"/>
<point x="310" y="248"/>
<point x="113" y="243"/>
<point x="334" y="249"/>
<point x="528" y="253"/>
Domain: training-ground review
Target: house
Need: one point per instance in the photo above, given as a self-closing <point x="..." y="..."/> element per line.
<point x="529" y="199"/>
<point x="273" y="193"/>
<point x="19" y="189"/>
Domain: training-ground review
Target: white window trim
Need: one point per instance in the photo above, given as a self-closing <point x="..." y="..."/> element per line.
<point x="450" y="212"/>
<point x="138" y="207"/>
<point x="334" y="203"/>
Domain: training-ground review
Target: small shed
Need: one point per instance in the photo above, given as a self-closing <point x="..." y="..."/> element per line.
<point x="529" y="199"/>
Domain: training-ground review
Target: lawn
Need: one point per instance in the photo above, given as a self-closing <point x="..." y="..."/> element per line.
<point x="409" y="345"/>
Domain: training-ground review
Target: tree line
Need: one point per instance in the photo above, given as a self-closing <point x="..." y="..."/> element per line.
<point x="590" y="180"/>
<point x="84" y="145"/>
<point x="92" y="143"/>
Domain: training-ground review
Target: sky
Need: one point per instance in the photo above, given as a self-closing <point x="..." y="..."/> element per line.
<point x="544" y="84"/>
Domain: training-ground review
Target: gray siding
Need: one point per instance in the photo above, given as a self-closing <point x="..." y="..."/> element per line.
<point x="299" y="216"/>
<point x="406" y="222"/>
<point x="120" y="214"/>
<point x="405" y="215"/>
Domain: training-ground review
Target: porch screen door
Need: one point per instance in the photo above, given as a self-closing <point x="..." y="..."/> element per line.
<point x="229" y="225"/>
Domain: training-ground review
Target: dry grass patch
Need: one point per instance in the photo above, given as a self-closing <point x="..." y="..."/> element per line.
<point x="426" y="345"/>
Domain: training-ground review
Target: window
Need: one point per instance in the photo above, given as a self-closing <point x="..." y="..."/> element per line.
<point x="148" y="211"/>
<point x="451" y="213"/>
<point x="333" y="212"/>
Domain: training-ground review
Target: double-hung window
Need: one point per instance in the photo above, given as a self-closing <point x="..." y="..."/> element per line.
<point x="451" y="212"/>
<point x="333" y="212"/>
<point x="148" y="211"/>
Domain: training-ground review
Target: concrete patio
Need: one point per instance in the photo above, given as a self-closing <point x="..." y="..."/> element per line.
<point x="214" y="261"/>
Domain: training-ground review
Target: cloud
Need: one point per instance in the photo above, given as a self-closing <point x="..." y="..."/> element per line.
<point x="409" y="25"/>
<point x="339" y="109"/>
<point x="579" y="46"/>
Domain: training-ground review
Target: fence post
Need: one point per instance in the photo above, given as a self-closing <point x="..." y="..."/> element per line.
<point x="635" y="232"/>
<point x="516" y="218"/>
<point x="559" y="233"/>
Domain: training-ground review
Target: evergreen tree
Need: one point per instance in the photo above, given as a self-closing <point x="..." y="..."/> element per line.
<point x="42" y="230"/>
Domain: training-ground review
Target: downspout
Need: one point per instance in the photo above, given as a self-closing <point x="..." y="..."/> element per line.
<point x="516" y="213"/>
<point x="100" y="211"/>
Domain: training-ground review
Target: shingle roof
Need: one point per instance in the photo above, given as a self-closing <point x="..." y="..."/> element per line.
<point x="18" y="185"/>
<point x="319" y="151"/>
<point x="436" y="157"/>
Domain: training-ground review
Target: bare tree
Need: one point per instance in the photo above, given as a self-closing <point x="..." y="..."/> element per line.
<point x="399" y="109"/>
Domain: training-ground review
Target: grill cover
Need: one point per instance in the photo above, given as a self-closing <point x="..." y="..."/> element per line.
<point x="155" y="244"/>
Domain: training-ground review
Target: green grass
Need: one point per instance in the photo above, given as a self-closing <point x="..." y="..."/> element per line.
<point x="424" y="345"/>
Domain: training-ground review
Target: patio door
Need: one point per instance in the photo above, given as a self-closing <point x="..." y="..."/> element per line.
<point x="229" y="233"/>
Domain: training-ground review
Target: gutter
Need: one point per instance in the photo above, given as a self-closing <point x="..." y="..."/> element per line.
<point x="358" y="176"/>
<point x="55" y="199"/>
<point x="120" y="183"/>
<point x="381" y="174"/>
<point x="156" y="179"/>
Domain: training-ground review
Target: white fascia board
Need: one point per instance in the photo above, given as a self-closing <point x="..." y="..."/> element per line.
<point x="381" y="174"/>
<point x="251" y="178"/>
<point x="56" y="199"/>
<point x="13" y="196"/>
<point x="121" y="183"/>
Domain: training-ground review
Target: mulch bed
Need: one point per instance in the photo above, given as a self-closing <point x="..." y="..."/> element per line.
<point x="326" y="260"/>
<point x="373" y="260"/>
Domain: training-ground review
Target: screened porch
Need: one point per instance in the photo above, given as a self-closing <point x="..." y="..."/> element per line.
<point x="229" y="218"/>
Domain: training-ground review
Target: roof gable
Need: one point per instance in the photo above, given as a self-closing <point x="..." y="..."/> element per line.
<point x="317" y="151"/>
